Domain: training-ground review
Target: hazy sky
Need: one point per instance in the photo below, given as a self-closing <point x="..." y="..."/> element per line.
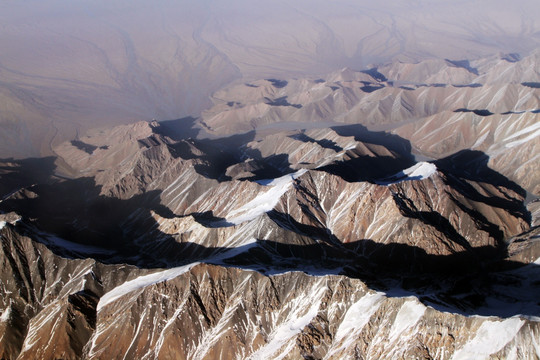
<point x="331" y="32"/>
<point x="66" y="66"/>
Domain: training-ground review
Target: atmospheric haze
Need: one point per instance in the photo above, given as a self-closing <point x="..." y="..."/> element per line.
<point x="66" y="67"/>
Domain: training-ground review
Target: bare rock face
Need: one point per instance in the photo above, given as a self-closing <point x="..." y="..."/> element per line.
<point x="36" y="289"/>
<point x="437" y="212"/>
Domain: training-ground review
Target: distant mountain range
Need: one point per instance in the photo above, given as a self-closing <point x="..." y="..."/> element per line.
<point x="68" y="68"/>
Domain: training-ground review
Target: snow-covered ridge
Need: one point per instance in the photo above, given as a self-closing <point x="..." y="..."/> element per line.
<point x="142" y="282"/>
<point x="419" y="171"/>
<point x="265" y="201"/>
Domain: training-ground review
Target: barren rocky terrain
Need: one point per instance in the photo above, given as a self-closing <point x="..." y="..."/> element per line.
<point x="317" y="243"/>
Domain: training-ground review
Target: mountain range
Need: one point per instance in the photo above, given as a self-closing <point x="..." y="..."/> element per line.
<point x="391" y="212"/>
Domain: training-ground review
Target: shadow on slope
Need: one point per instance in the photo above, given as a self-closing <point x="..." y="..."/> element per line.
<point x="464" y="64"/>
<point x="366" y="168"/>
<point x="532" y="85"/>
<point x="281" y="101"/>
<point x="362" y="163"/>
<point x="479" y="112"/>
<point x="374" y="73"/>
<point x="392" y="142"/>
<point x="178" y="129"/>
<point x="17" y="174"/>
<point x="215" y="155"/>
<point x="470" y="165"/>
<point x="472" y="282"/>
<point x="75" y="211"/>
<point x="324" y="143"/>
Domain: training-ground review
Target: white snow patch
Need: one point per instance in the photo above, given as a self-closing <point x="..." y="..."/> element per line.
<point x="480" y="140"/>
<point x="490" y="338"/>
<point x="419" y="171"/>
<point x="526" y="130"/>
<point x="409" y="314"/>
<point x="532" y="136"/>
<point x="266" y="201"/>
<point x="359" y="313"/>
<point x="2" y="224"/>
<point x="283" y="334"/>
<point x="355" y="319"/>
<point x="142" y="282"/>
<point x="422" y="170"/>
<point x="5" y="315"/>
